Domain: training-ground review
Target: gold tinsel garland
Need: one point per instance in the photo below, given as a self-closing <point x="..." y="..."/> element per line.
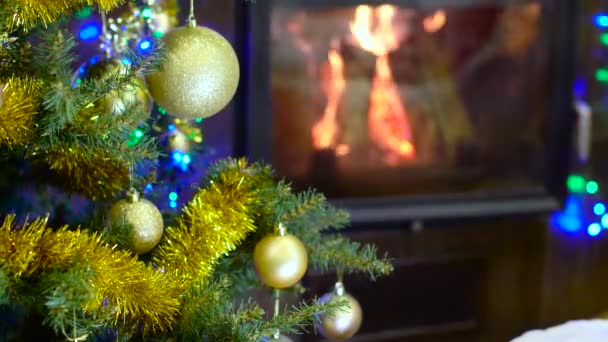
<point x="137" y="292"/>
<point x="27" y="14"/>
<point x="93" y="173"/>
<point x="20" y="100"/>
<point x="213" y="223"/>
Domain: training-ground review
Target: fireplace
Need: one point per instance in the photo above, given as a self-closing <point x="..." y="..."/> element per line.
<point x="412" y="109"/>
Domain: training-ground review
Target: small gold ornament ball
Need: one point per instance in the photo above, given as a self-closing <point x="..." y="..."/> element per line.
<point x="117" y="102"/>
<point x="144" y="217"/>
<point x="280" y="261"/>
<point x="199" y="75"/>
<point x="344" y="324"/>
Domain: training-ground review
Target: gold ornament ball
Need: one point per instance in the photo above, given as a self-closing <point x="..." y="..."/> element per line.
<point x="117" y="102"/>
<point x="199" y="74"/>
<point x="280" y="261"/>
<point x="343" y="324"/>
<point x="144" y="217"/>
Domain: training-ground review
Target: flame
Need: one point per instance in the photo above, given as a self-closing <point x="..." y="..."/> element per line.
<point x="373" y="30"/>
<point x="324" y="132"/>
<point x="435" y="22"/>
<point x="388" y="122"/>
<point x="384" y="38"/>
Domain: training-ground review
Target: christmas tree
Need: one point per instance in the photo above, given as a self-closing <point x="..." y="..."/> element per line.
<point x="128" y="271"/>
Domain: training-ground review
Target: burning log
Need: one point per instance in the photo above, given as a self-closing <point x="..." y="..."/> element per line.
<point x="359" y="70"/>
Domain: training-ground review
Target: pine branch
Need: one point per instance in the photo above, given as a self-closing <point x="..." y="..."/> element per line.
<point x="301" y="203"/>
<point x="296" y="319"/>
<point x="66" y="293"/>
<point x="4" y="287"/>
<point x="209" y="314"/>
<point x="337" y="252"/>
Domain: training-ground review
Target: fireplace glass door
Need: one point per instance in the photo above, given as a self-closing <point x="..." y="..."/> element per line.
<point x="385" y="99"/>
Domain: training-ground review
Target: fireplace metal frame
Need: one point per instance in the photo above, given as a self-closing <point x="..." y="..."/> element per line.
<point x="254" y="121"/>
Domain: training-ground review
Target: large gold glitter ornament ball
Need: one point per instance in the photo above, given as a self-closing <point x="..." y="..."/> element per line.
<point x="115" y="102"/>
<point x="199" y="75"/>
<point x="280" y="261"/>
<point x="144" y="217"/>
<point x="343" y="324"/>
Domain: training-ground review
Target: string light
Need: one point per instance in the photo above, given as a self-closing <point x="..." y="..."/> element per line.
<point x="601" y="75"/>
<point x="601" y="20"/>
<point x="604" y="38"/>
<point x="599" y="209"/>
<point x="145" y="45"/>
<point x="146" y="13"/>
<point x="89" y="31"/>
<point x="604" y="221"/>
<point x="84" y="13"/>
<point x="135" y="137"/>
<point x="173" y="196"/>
<point x="594" y="229"/>
<point x="177" y="156"/>
<point x="570" y="219"/>
<point x="592" y="187"/>
<point x="576" y="183"/>
<point x="172" y="204"/>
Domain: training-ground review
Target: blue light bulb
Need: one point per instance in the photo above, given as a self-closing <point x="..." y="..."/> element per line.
<point x="177" y="156"/>
<point x="601" y="20"/>
<point x="599" y="209"/>
<point x="594" y="229"/>
<point x="145" y="45"/>
<point x="90" y="31"/>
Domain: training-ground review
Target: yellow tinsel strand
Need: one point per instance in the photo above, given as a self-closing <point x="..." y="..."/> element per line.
<point x="213" y="223"/>
<point x="136" y="291"/>
<point x="93" y="173"/>
<point x="27" y="14"/>
<point x="20" y="100"/>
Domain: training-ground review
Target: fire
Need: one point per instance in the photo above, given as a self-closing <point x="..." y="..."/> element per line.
<point x="435" y="22"/>
<point x="324" y="132"/>
<point x="388" y="122"/>
<point x="387" y="119"/>
<point x="373" y="30"/>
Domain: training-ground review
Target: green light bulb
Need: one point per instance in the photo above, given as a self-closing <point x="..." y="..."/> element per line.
<point x="576" y="183"/>
<point x="604" y="38"/>
<point x="84" y="13"/>
<point x="601" y="75"/>
<point x="146" y="12"/>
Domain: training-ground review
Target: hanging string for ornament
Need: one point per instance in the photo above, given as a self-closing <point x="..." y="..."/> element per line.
<point x="191" y="18"/>
<point x="199" y="74"/>
<point x="277" y="307"/>
<point x="142" y="215"/>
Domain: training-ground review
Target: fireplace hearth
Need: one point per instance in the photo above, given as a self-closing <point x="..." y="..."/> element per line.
<point x="417" y="107"/>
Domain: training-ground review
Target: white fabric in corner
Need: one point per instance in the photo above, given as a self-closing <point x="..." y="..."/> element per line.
<point x="574" y="331"/>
